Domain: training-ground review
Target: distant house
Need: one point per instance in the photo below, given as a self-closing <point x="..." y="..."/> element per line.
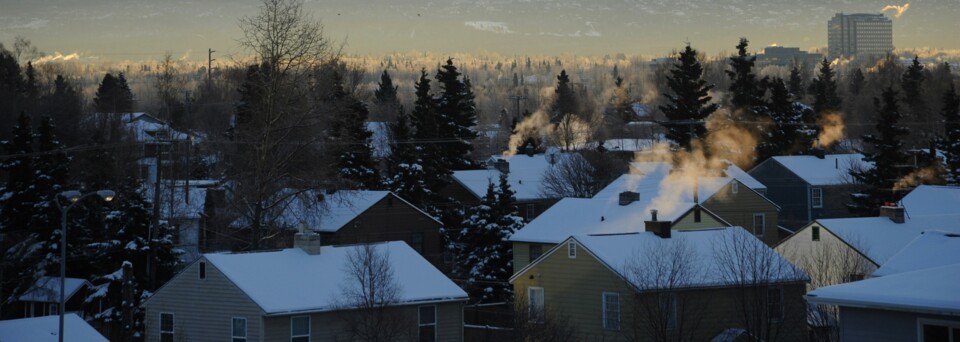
<point x="524" y="173"/>
<point x="43" y="298"/>
<point x="183" y="205"/>
<point x="660" y="284"/>
<point x="47" y="329"/>
<point x="299" y="294"/>
<point x="809" y="187"/>
<point x="158" y="142"/>
<point x="732" y="195"/>
<point x="921" y="305"/>
<point x="624" y="213"/>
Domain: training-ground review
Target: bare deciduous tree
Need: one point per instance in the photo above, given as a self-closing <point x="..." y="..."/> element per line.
<point x="570" y="176"/>
<point x="548" y="325"/>
<point x="368" y="297"/>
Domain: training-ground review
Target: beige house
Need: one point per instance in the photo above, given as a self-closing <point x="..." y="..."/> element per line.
<point x="665" y="284"/>
<point x="306" y="293"/>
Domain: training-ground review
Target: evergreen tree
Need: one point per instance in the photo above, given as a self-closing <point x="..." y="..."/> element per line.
<point x="350" y="139"/>
<point x="485" y="249"/>
<point x="689" y="105"/>
<point x="950" y="143"/>
<point x="50" y="179"/>
<point x="788" y="134"/>
<point x="856" y="82"/>
<point x="745" y="88"/>
<point x="566" y="101"/>
<point x="426" y="135"/>
<point x="890" y="161"/>
<point x="456" y="117"/>
<point x="113" y="95"/>
<point x="31" y="91"/>
<point x="405" y="176"/>
<point x="12" y="88"/>
<point x="912" y="84"/>
<point x="65" y="107"/>
<point x="620" y="102"/>
<point x="824" y="89"/>
<point x="17" y="198"/>
<point x="795" y="83"/>
<point x="386" y="92"/>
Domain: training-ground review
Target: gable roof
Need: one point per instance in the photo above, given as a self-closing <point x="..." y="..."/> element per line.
<point x="928" y="200"/>
<point x="46" y="328"/>
<point x="290" y="280"/>
<point x="932" y="248"/>
<point x="525" y="176"/>
<point x="931" y="290"/>
<point x="581" y="216"/>
<point x="833" y="169"/>
<point x="622" y="252"/>
<point x="47" y="289"/>
<point x="879" y="238"/>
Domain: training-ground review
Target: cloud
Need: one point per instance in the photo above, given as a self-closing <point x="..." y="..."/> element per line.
<point x="489" y="26"/>
<point x="899" y="9"/>
<point x="34" y="24"/>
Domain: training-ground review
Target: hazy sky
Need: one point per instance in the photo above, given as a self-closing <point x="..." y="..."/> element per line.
<point x="145" y="29"/>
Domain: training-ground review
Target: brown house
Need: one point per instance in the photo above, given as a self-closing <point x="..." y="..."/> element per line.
<point x="664" y="284"/>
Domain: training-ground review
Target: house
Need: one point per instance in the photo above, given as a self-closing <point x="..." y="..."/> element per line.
<point x="732" y="194"/>
<point x="43" y="298"/>
<point x="304" y="294"/>
<point x="524" y="173"/>
<point x="624" y="214"/>
<point x="926" y="200"/>
<point x="921" y="305"/>
<point x="663" y="284"/>
<point x="183" y="206"/>
<point x="809" y="187"/>
<point x="159" y="142"/>
<point x="47" y="329"/>
<point x="933" y="248"/>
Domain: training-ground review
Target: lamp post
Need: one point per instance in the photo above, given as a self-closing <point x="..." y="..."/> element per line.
<point x="73" y="197"/>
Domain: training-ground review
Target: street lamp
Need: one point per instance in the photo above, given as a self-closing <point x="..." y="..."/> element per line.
<point x="73" y="197"/>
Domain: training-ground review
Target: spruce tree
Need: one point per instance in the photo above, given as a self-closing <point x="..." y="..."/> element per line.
<point x="787" y="133"/>
<point x="856" y="82"/>
<point x="50" y="179"/>
<point x="950" y="143"/>
<point x="912" y="84"/>
<point x="350" y="140"/>
<point x="386" y="92"/>
<point x="689" y="104"/>
<point x="744" y="87"/>
<point x="12" y="88"/>
<point x="621" y="102"/>
<point x="484" y="247"/>
<point x="17" y="198"/>
<point x="890" y="162"/>
<point x="113" y="95"/>
<point x="456" y="117"/>
<point x="824" y="89"/>
<point x="427" y="136"/>
<point x="405" y="176"/>
<point x="566" y="101"/>
<point x="65" y="107"/>
<point x="795" y="83"/>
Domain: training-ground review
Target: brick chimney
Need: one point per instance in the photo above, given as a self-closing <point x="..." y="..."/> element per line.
<point x="696" y="199"/>
<point x="894" y="212"/>
<point x="306" y="240"/>
<point x="661" y="228"/>
<point x="628" y="197"/>
<point x="502" y="165"/>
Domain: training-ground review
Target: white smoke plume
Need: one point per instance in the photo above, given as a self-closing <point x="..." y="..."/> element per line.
<point x="899" y="10"/>
<point x="57" y="57"/>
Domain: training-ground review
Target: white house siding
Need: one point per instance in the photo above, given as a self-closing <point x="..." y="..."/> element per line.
<point x="801" y="250"/>
<point x="329" y="326"/>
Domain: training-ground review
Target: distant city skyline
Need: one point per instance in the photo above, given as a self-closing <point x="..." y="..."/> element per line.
<point x="143" y="29"/>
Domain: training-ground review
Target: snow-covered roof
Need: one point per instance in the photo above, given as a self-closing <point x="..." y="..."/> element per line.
<point x="709" y="264"/>
<point x="338" y="211"/>
<point x="178" y="200"/>
<point x="931" y="290"/>
<point x="928" y="200"/>
<point x="47" y="289"/>
<point x="525" y="176"/>
<point x="833" y="169"/>
<point x="582" y="216"/>
<point x="147" y="128"/>
<point x="290" y="280"/>
<point x="661" y="169"/>
<point x="932" y="248"/>
<point x="739" y="174"/>
<point x="380" y="141"/>
<point x="46" y="328"/>
<point x="879" y="238"/>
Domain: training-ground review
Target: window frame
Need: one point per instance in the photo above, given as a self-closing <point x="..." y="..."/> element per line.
<point x="538" y="315"/>
<point x="734" y="187"/>
<point x="763" y="224"/>
<point x="421" y="325"/>
<point x="572" y="249"/>
<point x="292" y="336"/>
<point x="668" y="302"/>
<point x="778" y="299"/>
<point x="233" y="329"/>
<point x="531" y="211"/>
<point x="950" y="325"/>
<point x="815" y="233"/>
<point x="173" y="330"/>
<point x="202" y="270"/>
<point x="816" y="197"/>
<point x="608" y="311"/>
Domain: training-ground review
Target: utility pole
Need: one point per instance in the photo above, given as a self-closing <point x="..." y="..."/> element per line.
<point x="186" y="187"/>
<point x="517" y="98"/>
<point x="209" y="63"/>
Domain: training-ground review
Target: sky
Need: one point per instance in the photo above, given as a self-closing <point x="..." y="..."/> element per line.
<point x="146" y="29"/>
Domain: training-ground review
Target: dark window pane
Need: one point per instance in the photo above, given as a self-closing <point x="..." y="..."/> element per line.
<point x="203" y="270"/>
<point x="935" y="333"/>
<point x="428" y="315"/>
<point x="428" y="333"/>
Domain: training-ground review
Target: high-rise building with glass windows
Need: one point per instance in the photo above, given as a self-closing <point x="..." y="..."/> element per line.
<point x="859" y="35"/>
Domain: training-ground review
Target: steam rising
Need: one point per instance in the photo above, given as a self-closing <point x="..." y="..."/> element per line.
<point x="899" y="9"/>
<point x="57" y="57"/>
<point x="833" y="129"/>
<point x="927" y="175"/>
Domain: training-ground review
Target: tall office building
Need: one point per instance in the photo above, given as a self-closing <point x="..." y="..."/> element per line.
<point x="859" y="35"/>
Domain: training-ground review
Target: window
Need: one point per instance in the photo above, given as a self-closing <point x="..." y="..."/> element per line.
<point x="816" y="197"/>
<point x="759" y="221"/>
<point x="166" y="327"/>
<point x="611" y="310"/>
<point x="239" y="329"/>
<point x="300" y="329"/>
<point x="572" y="250"/>
<point x="531" y="211"/>
<point x="734" y="187"/>
<point x="668" y="308"/>
<point x="535" y="252"/>
<point x="935" y="331"/>
<point x="854" y="277"/>
<point x="815" y="233"/>
<point x="535" y="303"/>
<point x="54" y="309"/>
<point x="416" y="242"/>
<point x="774" y="303"/>
<point x="428" y="323"/>
<point x="203" y="270"/>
